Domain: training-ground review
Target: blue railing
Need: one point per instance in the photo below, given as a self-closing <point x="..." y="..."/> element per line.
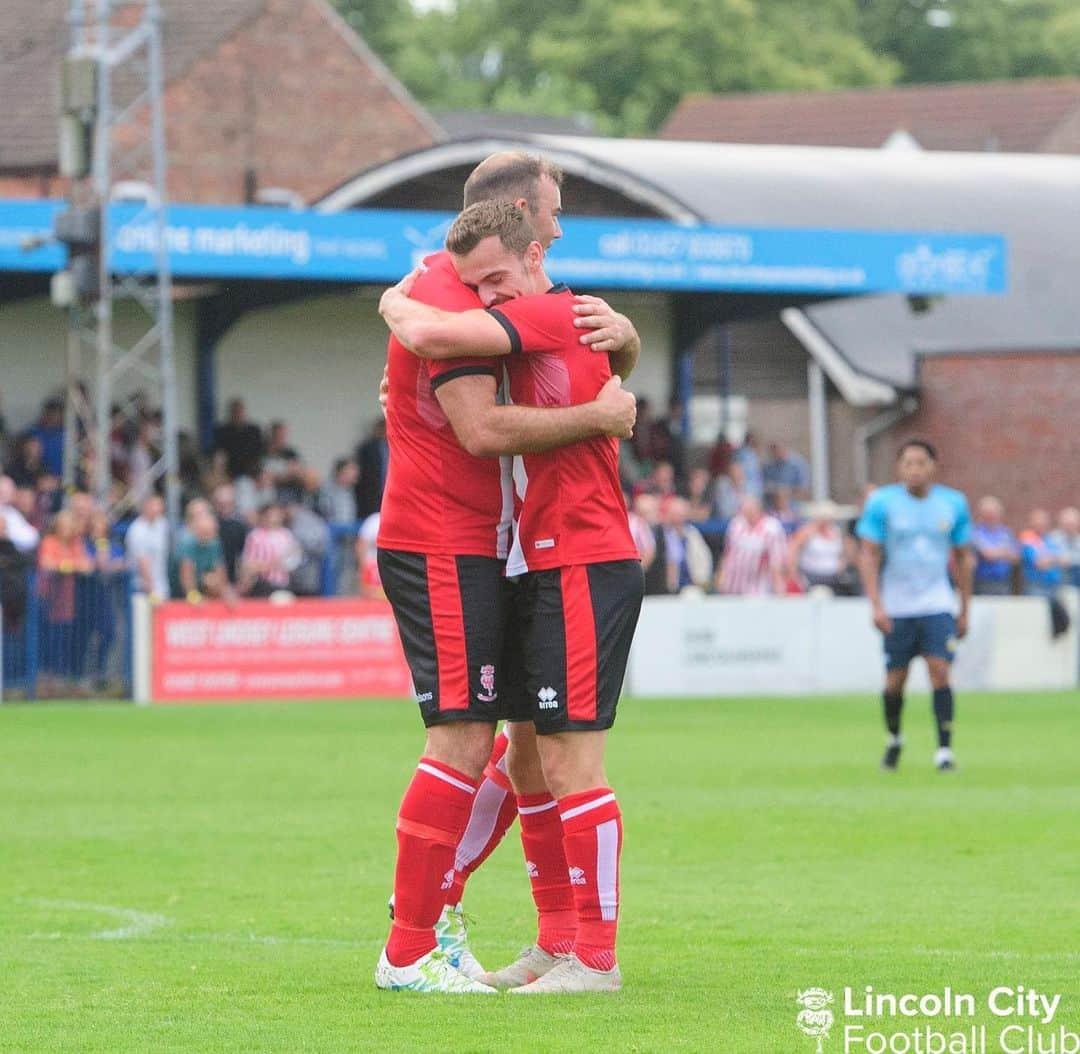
<point x="68" y="635"/>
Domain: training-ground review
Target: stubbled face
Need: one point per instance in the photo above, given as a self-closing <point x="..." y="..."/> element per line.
<point x="916" y="468"/>
<point x="499" y="275"/>
<point x="545" y="217"/>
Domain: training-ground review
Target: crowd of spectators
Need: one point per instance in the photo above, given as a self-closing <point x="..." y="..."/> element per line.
<point x="739" y="521"/>
<point x="257" y="520"/>
<point x="260" y="520"/>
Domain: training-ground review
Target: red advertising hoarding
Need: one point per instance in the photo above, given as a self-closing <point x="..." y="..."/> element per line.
<point x="308" y="649"/>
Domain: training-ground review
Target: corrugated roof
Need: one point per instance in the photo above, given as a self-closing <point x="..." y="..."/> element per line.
<point x="1010" y="116"/>
<point x="1030" y="199"/>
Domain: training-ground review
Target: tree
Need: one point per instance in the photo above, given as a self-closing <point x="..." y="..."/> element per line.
<point x="946" y="40"/>
<point x="628" y="63"/>
<point x="378" y="22"/>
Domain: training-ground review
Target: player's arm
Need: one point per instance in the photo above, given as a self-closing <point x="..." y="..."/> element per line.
<point x="608" y="331"/>
<point x="433" y="333"/>
<point x="486" y="429"/>
<point x="965" y="578"/>
<point x="870" y="557"/>
<point x="960" y="539"/>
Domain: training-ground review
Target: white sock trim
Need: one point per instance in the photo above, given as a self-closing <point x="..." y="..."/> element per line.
<point x="528" y="810"/>
<point x="446" y="778"/>
<point x="577" y="810"/>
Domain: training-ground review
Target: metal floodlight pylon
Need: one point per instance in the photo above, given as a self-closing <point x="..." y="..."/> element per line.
<point x="113" y="141"/>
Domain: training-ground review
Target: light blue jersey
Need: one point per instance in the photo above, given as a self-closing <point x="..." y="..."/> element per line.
<point x="916" y="535"/>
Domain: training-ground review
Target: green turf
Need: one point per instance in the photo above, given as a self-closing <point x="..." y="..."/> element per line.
<point x="764" y="853"/>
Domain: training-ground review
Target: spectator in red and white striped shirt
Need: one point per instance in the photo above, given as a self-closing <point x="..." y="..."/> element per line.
<point x="755" y="554"/>
<point x="271" y="552"/>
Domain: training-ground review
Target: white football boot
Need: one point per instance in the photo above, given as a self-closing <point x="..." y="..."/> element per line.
<point x="452" y="934"/>
<point x="431" y="973"/>
<point x="529" y="966"/>
<point x="572" y="976"/>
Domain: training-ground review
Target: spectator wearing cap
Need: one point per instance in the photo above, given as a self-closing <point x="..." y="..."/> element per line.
<point x="996" y="550"/>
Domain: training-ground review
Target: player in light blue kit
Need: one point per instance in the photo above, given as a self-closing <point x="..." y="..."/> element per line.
<point x="908" y="531"/>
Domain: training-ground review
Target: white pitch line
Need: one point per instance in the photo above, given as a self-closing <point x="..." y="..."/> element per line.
<point x="139" y="923"/>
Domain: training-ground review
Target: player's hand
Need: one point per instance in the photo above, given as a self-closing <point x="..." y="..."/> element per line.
<point x="406" y="284"/>
<point x="961" y="625"/>
<point x="607" y="329"/>
<point x="882" y="621"/>
<point x="384" y="388"/>
<point x="618" y="409"/>
<point x="403" y="288"/>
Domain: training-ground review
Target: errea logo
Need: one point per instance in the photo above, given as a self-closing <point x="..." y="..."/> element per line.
<point x="549" y="699"/>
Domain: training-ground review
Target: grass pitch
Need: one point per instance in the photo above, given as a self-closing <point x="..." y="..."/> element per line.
<point x="214" y="879"/>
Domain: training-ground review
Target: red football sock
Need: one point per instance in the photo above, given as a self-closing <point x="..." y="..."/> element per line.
<point x="542" y="840"/>
<point x="592" y="838"/>
<point x="431" y="819"/>
<point x="493" y="811"/>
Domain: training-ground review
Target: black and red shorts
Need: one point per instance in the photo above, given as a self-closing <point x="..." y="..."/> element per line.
<point x="452" y="614"/>
<point x="577" y="626"/>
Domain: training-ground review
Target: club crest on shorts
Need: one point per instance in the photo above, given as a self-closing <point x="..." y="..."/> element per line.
<point x="815" y="1019"/>
<point x="487" y="682"/>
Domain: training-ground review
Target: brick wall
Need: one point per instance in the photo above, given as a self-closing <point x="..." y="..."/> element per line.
<point x="288" y="96"/>
<point x="1007" y="425"/>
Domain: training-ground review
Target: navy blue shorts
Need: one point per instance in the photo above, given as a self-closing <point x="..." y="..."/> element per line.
<point x="927" y="635"/>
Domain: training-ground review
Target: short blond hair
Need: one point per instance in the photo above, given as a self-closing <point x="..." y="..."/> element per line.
<point x="486" y="219"/>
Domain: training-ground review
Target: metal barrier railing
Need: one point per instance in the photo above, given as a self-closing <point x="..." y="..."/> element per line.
<point x="68" y="635"/>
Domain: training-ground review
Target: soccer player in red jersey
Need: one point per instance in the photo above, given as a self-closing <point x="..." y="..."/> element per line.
<point x="582" y="586"/>
<point x="441" y="548"/>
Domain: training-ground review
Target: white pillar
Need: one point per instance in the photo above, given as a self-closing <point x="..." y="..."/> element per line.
<point x="142" y="613"/>
<point x="819" y="432"/>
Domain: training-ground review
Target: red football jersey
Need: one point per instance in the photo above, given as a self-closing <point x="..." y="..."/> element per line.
<point x="438" y="498"/>
<point x="573" y="511"/>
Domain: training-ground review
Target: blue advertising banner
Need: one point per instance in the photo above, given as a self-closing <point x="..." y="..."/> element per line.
<point x="380" y="246"/>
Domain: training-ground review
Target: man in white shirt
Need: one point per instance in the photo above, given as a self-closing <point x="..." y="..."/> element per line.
<point x="22" y="535"/>
<point x="147" y="545"/>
